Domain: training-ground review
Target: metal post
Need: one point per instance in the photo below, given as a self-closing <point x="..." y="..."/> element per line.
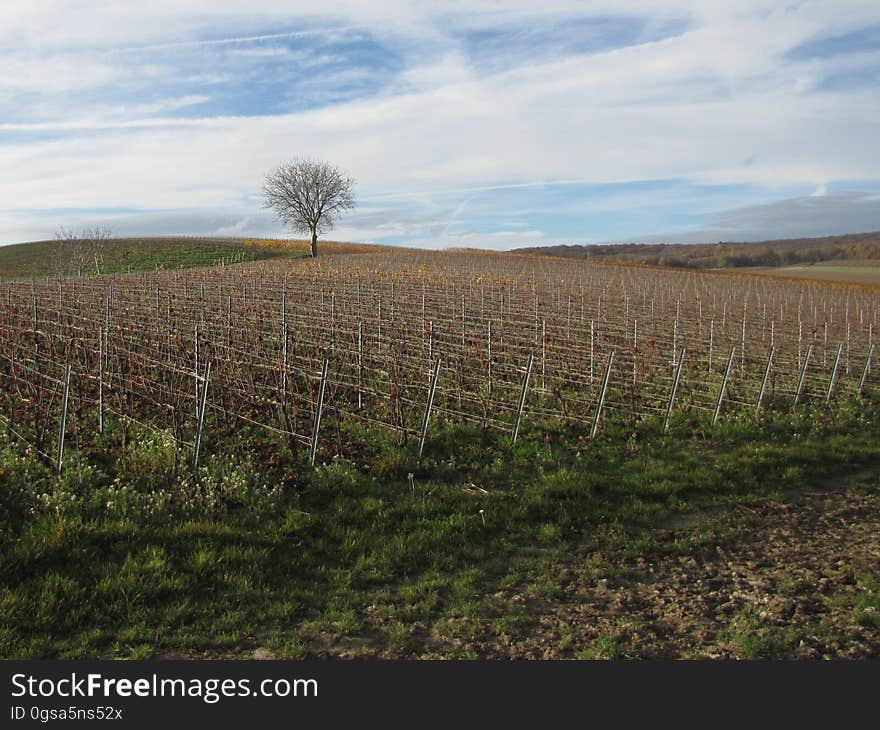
<point x="65" y="396"/>
<point x="635" y="352"/>
<point x="601" y="402"/>
<point x="284" y="338"/>
<point x="522" y="397"/>
<point x="711" y="341"/>
<point x="333" y="319"/>
<point x="800" y="340"/>
<point x="489" y="358"/>
<point x="202" y="405"/>
<point x="318" y="409"/>
<point x="825" y="345"/>
<point x="724" y="382"/>
<point x="100" y="380"/>
<point x="672" y="394"/>
<point x="834" y="373"/>
<point x="463" y="324"/>
<point x="429" y="405"/>
<point x="360" y="361"/>
<point x="866" y="369"/>
<point x="284" y="301"/>
<point x="197" y="364"/>
<point x="592" y="346"/>
<point x="802" y="379"/>
<point x="543" y="356"/>
<point x="763" y="389"/>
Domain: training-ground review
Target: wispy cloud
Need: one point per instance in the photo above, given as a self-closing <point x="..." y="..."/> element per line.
<point x="239" y="41"/>
<point x="456" y="119"/>
<point x="120" y="117"/>
<point x="813" y="215"/>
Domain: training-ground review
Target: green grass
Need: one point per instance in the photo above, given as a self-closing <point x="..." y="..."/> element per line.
<point x="606" y="646"/>
<point x="123" y="255"/>
<point x="128" y="555"/>
<point x="753" y="638"/>
<point x="866" y="608"/>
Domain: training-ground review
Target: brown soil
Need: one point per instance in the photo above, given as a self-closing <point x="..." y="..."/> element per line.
<point x="855" y="272"/>
<point x="787" y="575"/>
<point x="765" y="579"/>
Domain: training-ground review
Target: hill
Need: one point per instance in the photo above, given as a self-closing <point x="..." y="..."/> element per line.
<point x="123" y="255"/>
<point x="775" y="253"/>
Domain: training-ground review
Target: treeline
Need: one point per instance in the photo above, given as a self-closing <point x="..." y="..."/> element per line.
<point x="724" y="255"/>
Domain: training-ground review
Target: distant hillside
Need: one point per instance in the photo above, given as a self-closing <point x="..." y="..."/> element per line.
<point x="785" y="252"/>
<point x="121" y="255"/>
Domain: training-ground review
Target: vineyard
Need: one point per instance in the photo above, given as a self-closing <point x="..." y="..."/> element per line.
<point x="321" y="355"/>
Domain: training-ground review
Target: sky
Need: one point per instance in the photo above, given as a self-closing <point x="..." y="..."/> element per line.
<point x="493" y="124"/>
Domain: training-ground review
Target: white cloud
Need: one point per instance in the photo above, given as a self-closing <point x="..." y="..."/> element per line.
<point x="115" y="117"/>
<point x="56" y="73"/>
<point x="721" y="103"/>
<point x="263" y="52"/>
<point x="559" y="119"/>
<point x="809" y="216"/>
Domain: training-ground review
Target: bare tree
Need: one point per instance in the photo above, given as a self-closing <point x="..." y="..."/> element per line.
<point x="75" y="251"/>
<point x="308" y="196"/>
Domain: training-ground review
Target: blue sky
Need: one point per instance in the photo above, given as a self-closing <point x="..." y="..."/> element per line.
<point x="493" y="124"/>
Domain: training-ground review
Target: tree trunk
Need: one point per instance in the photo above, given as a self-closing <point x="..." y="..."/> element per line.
<point x="314" y="249"/>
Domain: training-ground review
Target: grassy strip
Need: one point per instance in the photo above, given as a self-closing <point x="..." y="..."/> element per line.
<point x="124" y="255"/>
<point x="128" y="555"/>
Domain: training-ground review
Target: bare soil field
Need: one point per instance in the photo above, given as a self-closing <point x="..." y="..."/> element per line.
<point x="793" y="578"/>
<point x="866" y="273"/>
<point x="771" y="579"/>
